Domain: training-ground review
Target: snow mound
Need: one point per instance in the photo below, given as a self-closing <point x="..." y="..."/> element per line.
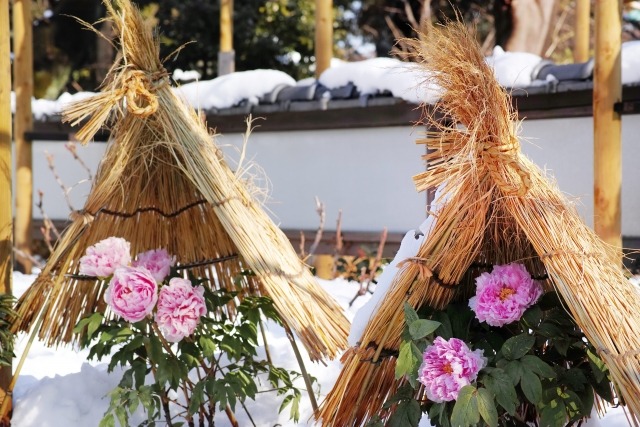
<point x="228" y="90"/>
<point x="408" y="81"/>
<point x="513" y="69"/>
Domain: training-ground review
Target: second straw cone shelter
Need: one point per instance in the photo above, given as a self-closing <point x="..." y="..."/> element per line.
<point x="496" y="207"/>
<point x="164" y="184"/>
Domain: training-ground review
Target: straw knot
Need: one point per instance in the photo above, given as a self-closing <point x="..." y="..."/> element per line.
<point x="139" y="88"/>
<point x="497" y="156"/>
<point x="86" y="217"/>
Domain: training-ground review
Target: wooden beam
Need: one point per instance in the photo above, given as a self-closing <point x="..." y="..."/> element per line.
<point x="23" y="122"/>
<point x="607" y="91"/>
<point x="226" y="54"/>
<point x="6" y="211"/>
<point x="324" y="35"/>
<point x="582" y="34"/>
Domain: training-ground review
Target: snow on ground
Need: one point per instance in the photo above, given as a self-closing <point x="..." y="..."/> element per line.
<point x="59" y="388"/>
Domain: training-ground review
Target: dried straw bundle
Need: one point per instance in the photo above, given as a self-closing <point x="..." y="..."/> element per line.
<point x="497" y="207"/>
<point x="163" y="184"/>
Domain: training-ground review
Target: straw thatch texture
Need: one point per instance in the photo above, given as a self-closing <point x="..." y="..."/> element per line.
<point x="496" y="207"/>
<point x="163" y="184"/>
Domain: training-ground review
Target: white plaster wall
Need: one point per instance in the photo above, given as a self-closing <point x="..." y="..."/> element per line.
<point x="70" y="172"/>
<point x="564" y="147"/>
<point x="367" y="173"/>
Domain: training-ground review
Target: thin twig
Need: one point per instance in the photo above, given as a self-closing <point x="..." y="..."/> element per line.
<point x="72" y="148"/>
<point x="22" y="254"/>
<point x="65" y="189"/>
<point x="321" y="213"/>
<point x="369" y="276"/>
<point x="303" y="369"/>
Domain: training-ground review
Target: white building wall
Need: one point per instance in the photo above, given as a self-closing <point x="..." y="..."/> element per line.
<point x="367" y="173"/>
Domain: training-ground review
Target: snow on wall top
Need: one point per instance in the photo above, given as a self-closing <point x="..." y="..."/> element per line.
<point x="370" y="77"/>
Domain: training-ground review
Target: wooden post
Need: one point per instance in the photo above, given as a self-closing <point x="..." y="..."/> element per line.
<point x="226" y="54"/>
<point x="23" y="122"/>
<point x="581" y="38"/>
<point x="6" y="211"/>
<point x="324" y="35"/>
<point x="607" y="90"/>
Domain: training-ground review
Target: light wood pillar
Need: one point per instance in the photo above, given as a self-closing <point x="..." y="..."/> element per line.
<point x="23" y="122"/>
<point x="607" y="90"/>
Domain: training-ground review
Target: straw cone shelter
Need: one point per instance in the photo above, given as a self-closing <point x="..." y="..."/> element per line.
<point x="163" y="183"/>
<point x="496" y="207"/>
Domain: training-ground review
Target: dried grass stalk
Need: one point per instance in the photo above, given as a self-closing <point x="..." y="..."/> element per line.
<point x="497" y="207"/>
<point x="163" y="183"/>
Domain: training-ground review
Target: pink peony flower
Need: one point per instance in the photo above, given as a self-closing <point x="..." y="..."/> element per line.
<point x="503" y="295"/>
<point x="132" y="293"/>
<point x="102" y="259"/>
<point x="157" y="261"/>
<point x="180" y="307"/>
<point x="447" y="366"/>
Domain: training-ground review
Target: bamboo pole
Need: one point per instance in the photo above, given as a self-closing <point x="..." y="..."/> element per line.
<point x="607" y="90"/>
<point x="23" y="122"/>
<point x="582" y="22"/>
<point x="226" y="55"/>
<point x="324" y="35"/>
<point x="6" y="214"/>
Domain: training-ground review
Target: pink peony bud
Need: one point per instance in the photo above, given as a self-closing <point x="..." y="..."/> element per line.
<point x="447" y="366"/>
<point x="503" y="295"/>
<point x="180" y="307"/>
<point x="102" y="259"/>
<point x="132" y="293"/>
<point x="157" y="261"/>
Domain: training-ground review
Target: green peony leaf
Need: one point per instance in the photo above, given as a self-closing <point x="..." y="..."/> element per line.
<point x="465" y="411"/>
<point x="553" y="415"/>
<point x="407" y="414"/>
<point x="501" y="385"/>
<point x="516" y="347"/>
<point x="410" y="314"/>
<point x="537" y="366"/>
<point x="422" y="327"/>
<point x="515" y="371"/>
<point x="487" y="407"/>
<point x="531" y="387"/>
<point x="407" y="361"/>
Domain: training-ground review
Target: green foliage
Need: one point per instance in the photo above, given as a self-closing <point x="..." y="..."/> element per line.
<point x="540" y="369"/>
<point x="214" y="368"/>
<point x="275" y="34"/>
<point x="6" y="336"/>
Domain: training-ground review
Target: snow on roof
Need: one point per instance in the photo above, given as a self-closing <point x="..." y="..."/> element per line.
<point x="407" y="81"/>
<point x="228" y="90"/>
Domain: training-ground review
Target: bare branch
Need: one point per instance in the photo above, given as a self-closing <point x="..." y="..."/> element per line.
<point x="21" y="254"/>
<point x="302" y="253"/>
<point x="321" y="213"/>
<point x="65" y="189"/>
<point x="72" y="148"/>
<point x="339" y="242"/>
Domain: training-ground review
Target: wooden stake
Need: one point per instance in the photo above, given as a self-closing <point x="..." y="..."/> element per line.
<point x="324" y="35"/>
<point x="6" y="211"/>
<point x="23" y="122"/>
<point x="607" y="90"/>
<point x="226" y="55"/>
<point x="582" y="23"/>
